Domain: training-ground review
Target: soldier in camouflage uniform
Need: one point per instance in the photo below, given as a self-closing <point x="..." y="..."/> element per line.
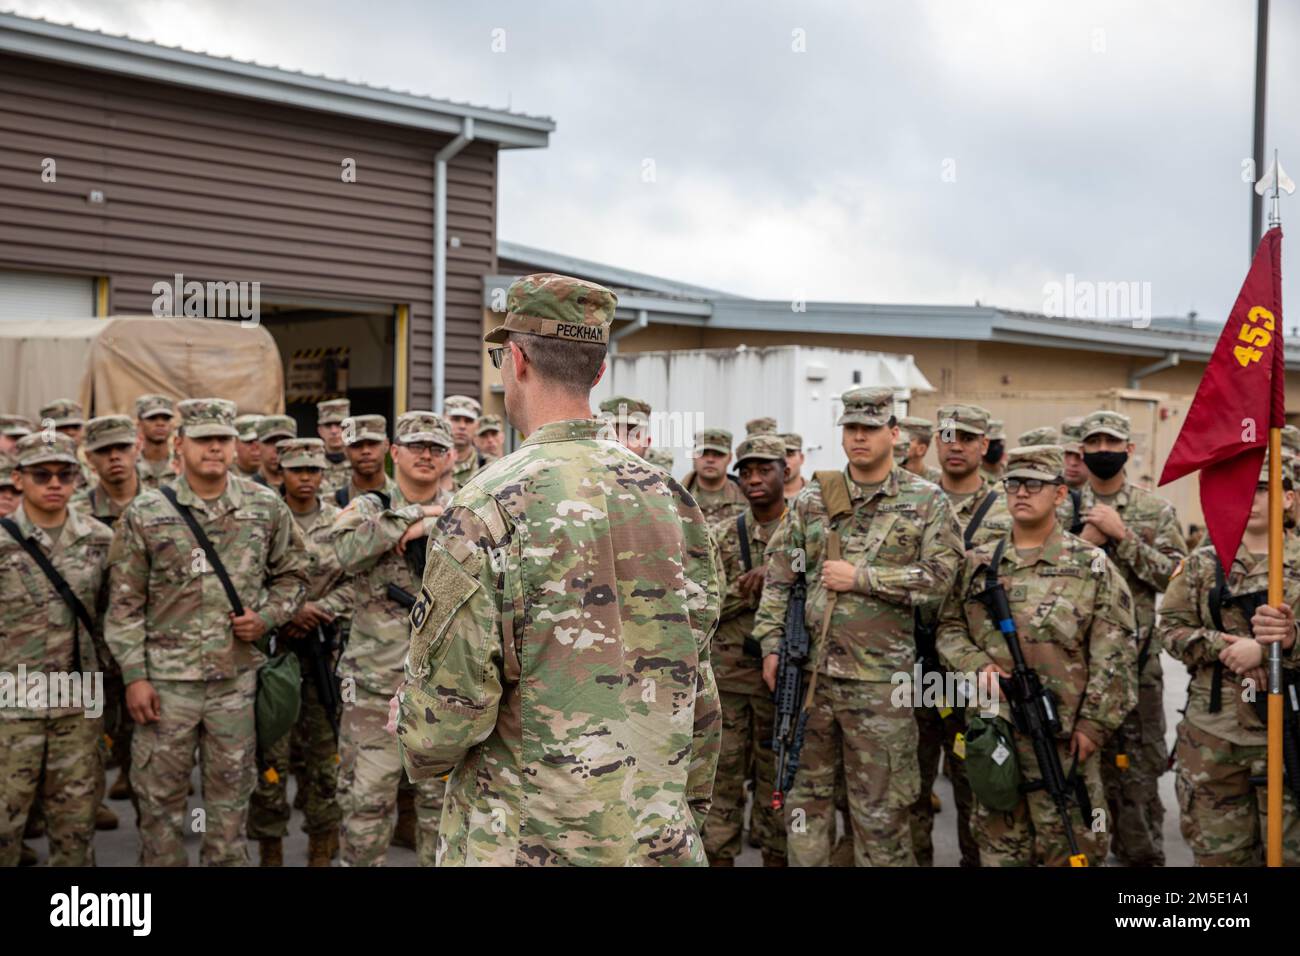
<point x="717" y="495"/>
<point x="189" y="663"/>
<point x="1291" y="458"/>
<point x="382" y="547"/>
<point x="661" y="457"/>
<point x="993" y="464"/>
<point x="330" y="596"/>
<point x="1139" y="531"/>
<point x="628" y="421"/>
<point x="68" y="418"/>
<point x="760" y="426"/>
<point x="1074" y="617"/>
<point x="1070" y="512"/>
<point x="366" y="437"/>
<point x="960" y="447"/>
<point x="45" y="734"/>
<point x="794" y="460"/>
<point x="747" y="708"/>
<point x="112" y="444"/>
<point x="271" y="430"/>
<point x="248" y="451"/>
<point x="330" y="416"/>
<point x="12" y="428"/>
<point x="489" y="439"/>
<point x="918" y="432"/>
<point x="9" y="493"/>
<point x="901" y="547"/>
<point x="1043" y="435"/>
<point x="583" y="584"/>
<point x="155" y="417"/>
<point x="462" y="413"/>
<point x="1222" y="743"/>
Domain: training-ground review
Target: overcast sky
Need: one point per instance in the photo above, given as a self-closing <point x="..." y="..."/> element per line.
<point x="1103" y="140"/>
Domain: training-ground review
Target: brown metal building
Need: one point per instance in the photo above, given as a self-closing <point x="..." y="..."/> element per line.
<point x="124" y="163"/>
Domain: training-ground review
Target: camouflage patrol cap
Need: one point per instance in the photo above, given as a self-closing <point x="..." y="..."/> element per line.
<point x="1288" y="471"/>
<point x="1107" y="422"/>
<point x="7" y="465"/>
<point x="414" y="427"/>
<point x="207" y="418"/>
<point x="246" y="425"/>
<point x="762" y="447"/>
<point x="917" y="427"/>
<point x="760" y="426"/>
<point x="152" y="406"/>
<point x="624" y="410"/>
<point x="1044" y="435"/>
<point x="661" y="457"/>
<point x="64" y="411"/>
<point x="361" y="428"/>
<point x="16" y="426"/>
<point x="972" y="419"/>
<point x="41" y="447"/>
<point x="333" y="411"/>
<point x="994" y="431"/>
<point x="486" y="424"/>
<point x="1072" y="434"/>
<point x="461" y="406"/>
<point x="713" y="439"/>
<point x="273" y="427"/>
<point x="559" y="307"/>
<point x="1290" y="441"/>
<point x="109" y="430"/>
<point x="1035" y="461"/>
<point x="868" y="405"/>
<point x="793" y="441"/>
<point x="302" y="453"/>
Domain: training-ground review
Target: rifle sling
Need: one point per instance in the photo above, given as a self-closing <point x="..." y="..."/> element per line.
<point x="209" y="551"/>
<point x="978" y="517"/>
<point x="61" y="585"/>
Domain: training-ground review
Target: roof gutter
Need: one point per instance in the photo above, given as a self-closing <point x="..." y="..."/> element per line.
<point x="444" y="155"/>
<point x="642" y="321"/>
<point x="1135" y="377"/>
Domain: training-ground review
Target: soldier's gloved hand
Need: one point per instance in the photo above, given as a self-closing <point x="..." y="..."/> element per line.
<point x="770" y="665"/>
<point x="1242" y="654"/>
<point x="416" y="530"/>
<point x="142" y="702"/>
<point x="838" y="575"/>
<point x="247" y="626"/>
<point x="1272" y="624"/>
<point x="1082" y="746"/>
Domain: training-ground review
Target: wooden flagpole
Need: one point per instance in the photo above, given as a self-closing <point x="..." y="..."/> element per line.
<point x="1275" y="599"/>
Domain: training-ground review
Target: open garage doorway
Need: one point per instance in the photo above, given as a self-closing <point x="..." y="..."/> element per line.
<point x="337" y="351"/>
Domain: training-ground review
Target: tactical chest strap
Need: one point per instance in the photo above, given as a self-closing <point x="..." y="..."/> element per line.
<point x="745" y="557"/>
<point x="209" y="551"/>
<point x="838" y="502"/>
<point x="978" y="517"/>
<point x="60" y="585"/>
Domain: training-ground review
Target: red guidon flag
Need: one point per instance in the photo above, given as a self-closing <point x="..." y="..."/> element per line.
<point x="1240" y="398"/>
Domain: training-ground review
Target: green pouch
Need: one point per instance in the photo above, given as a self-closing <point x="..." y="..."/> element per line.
<point x="279" y="696"/>
<point x="992" y="766"/>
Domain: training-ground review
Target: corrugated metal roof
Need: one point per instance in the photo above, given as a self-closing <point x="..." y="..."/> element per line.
<point x="612" y="276"/>
<point x="96" y="50"/>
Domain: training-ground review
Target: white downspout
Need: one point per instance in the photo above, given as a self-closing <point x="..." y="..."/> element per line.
<point x="465" y="137"/>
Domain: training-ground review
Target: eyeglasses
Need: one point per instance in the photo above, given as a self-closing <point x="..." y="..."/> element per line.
<point x="43" y="476"/>
<point x="497" y="354"/>
<point x="421" y="448"/>
<point x="1031" y="485"/>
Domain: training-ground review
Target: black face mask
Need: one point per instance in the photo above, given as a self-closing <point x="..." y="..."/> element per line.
<point x="1105" y="464"/>
<point x="994" y="454"/>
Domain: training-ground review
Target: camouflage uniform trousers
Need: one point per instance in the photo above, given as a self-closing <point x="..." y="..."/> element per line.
<point x="1224" y="817"/>
<point x="370" y="766"/>
<point x="71" y="789"/>
<point x="1133" y="794"/>
<point x="118" y="728"/>
<point x="1032" y="833"/>
<point x="853" y="723"/>
<point x="217" y="717"/>
<point x="746" y="726"/>
<point x="935" y="738"/>
<point x="268" y="812"/>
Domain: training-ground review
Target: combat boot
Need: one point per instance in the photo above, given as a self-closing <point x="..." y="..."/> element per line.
<point x="720" y="861"/>
<point x="771" y="859"/>
<point x="404" y="832"/>
<point x="105" y="819"/>
<point x="318" y="849"/>
<point x="270" y="852"/>
<point x="121" y="788"/>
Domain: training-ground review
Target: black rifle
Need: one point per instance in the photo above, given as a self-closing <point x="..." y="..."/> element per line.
<point x="1033" y="712"/>
<point x="399" y="595"/>
<point x="791" y="688"/>
<point x="319" y="647"/>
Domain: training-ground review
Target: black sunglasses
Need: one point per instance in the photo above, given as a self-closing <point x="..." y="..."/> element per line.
<point x="43" y="476"/>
